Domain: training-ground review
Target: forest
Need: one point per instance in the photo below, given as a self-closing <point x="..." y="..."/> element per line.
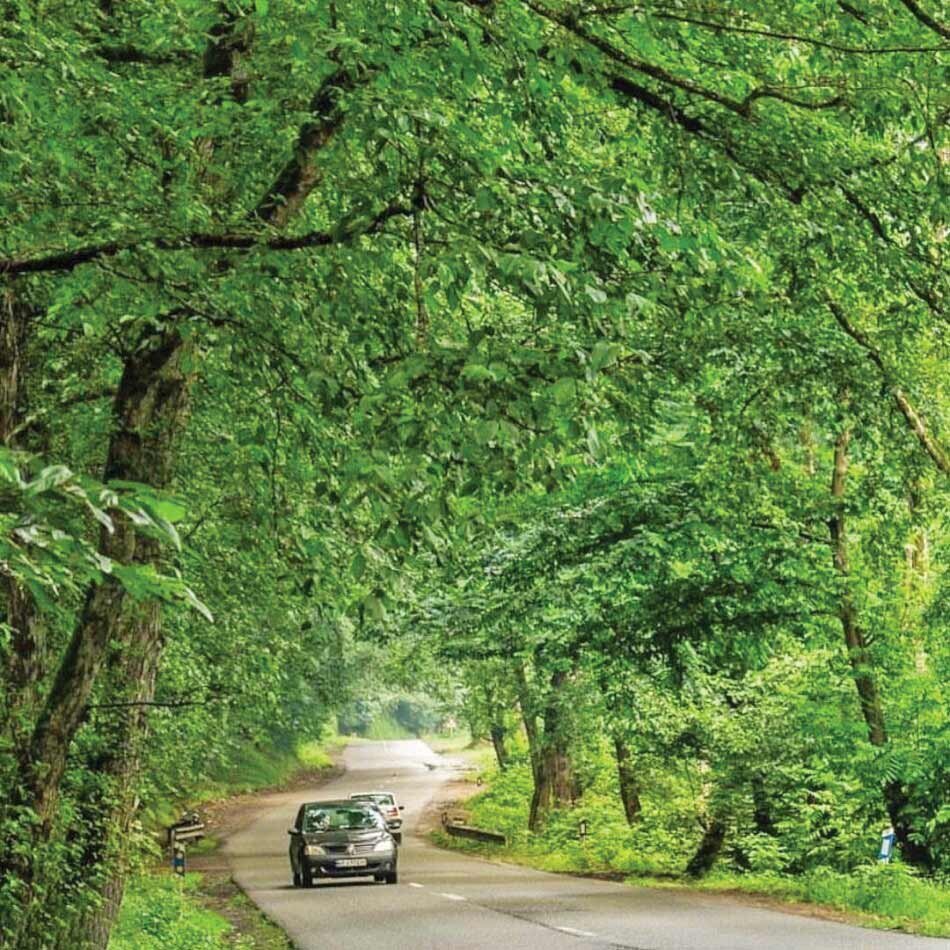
<point x="583" y="366"/>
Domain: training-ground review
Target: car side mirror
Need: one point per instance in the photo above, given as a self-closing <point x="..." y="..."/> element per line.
<point x="292" y="831"/>
<point x="402" y="807"/>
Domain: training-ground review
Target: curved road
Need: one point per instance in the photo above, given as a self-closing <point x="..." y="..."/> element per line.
<point x="449" y="901"/>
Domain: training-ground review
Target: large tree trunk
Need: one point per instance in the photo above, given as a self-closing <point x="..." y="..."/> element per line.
<point x="629" y="783"/>
<point x="139" y="659"/>
<point x="150" y="407"/>
<point x="24" y="664"/>
<point x="124" y="729"/>
<point x="872" y="709"/>
<point x="529" y="717"/>
<point x="555" y="785"/>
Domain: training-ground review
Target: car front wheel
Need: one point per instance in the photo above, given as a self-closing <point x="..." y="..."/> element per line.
<point x="306" y="877"/>
<point x="392" y="877"/>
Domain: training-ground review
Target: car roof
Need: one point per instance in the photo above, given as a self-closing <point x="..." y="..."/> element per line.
<point x="377" y="792"/>
<point x="330" y="802"/>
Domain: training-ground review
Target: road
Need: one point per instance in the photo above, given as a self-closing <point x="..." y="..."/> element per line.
<point x="449" y="901"/>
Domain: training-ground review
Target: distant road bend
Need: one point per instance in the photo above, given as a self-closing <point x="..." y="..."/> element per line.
<point x="449" y="901"/>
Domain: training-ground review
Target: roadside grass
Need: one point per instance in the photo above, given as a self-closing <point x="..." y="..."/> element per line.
<point x="872" y="895"/>
<point x="164" y="912"/>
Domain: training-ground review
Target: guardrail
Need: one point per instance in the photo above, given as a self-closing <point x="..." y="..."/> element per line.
<point x="455" y="827"/>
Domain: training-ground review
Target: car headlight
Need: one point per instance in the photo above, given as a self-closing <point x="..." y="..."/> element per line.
<point x="384" y="844"/>
<point x="313" y="850"/>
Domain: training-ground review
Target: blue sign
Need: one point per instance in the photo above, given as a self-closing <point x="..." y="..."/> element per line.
<point x="887" y="845"/>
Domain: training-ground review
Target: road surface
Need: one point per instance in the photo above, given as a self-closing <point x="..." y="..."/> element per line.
<point x="449" y="901"/>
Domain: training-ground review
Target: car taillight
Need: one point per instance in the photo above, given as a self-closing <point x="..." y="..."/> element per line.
<point x="393" y="812"/>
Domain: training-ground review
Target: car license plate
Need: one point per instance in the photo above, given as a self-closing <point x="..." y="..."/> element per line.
<point x="351" y="863"/>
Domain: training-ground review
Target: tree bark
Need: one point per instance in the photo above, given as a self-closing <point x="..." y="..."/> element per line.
<point x="555" y="785"/>
<point x="710" y="846"/>
<point x="530" y="719"/>
<point x="498" y="736"/>
<point x="761" y="807"/>
<point x="629" y="783"/>
<point x="150" y="407"/>
<point x="25" y="661"/>
<point x="895" y="797"/>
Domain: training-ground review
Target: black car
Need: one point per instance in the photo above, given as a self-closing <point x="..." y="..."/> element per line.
<point x="340" y="839"/>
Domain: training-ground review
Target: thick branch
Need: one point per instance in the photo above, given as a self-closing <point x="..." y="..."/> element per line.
<point x="924" y="17"/>
<point x="910" y="414"/>
<point x="69" y="260"/>
<point x="720" y="27"/>
<point x="572" y="25"/>
<point x="302" y="174"/>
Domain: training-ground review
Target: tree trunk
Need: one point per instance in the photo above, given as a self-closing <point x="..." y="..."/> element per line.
<point x="150" y="407"/>
<point x="710" y="846"/>
<point x="872" y="709"/>
<point x="498" y="735"/>
<point x="25" y="660"/>
<point x="130" y="685"/>
<point x="554" y="783"/>
<point x="762" y="811"/>
<point x="629" y="784"/>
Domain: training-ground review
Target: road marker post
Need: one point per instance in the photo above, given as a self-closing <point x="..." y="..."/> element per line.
<point x="887" y="846"/>
<point x="178" y="859"/>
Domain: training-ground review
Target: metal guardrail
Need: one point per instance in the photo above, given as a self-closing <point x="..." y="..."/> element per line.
<point x="475" y="834"/>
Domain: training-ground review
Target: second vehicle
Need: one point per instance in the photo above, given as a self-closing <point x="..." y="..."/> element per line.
<point x="386" y="802"/>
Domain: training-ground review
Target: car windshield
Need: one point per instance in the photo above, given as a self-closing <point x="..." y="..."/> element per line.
<point x="378" y="799"/>
<point x="319" y="818"/>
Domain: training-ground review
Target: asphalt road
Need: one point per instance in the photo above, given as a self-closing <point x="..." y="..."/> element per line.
<point x="453" y="902"/>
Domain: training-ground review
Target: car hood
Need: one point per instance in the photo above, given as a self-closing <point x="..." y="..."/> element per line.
<point x="344" y="837"/>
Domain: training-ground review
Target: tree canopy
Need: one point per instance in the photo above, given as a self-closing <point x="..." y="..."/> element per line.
<point x="589" y="360"/>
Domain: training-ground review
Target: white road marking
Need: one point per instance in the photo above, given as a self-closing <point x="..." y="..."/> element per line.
<point x="453" y="897"/>
<point x="414" y="884"/>
<point x="576" y="932"/>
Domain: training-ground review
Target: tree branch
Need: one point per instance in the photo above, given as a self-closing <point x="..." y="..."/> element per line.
<point x="910" y="414"/>
<point x="719" y="27"/>
<point x="921" y="15"/>
<point x="200" y="240"/>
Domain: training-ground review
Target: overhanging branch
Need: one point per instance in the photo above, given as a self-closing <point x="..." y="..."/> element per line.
<point x="201" y="240"/>
<point x="910" y="414"/>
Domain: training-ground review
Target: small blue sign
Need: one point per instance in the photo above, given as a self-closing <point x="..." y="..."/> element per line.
<point x="887" y="845"/>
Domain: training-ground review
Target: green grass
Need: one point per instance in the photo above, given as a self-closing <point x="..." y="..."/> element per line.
<point x="162" y="912"/>
<point x="883" y="896"/>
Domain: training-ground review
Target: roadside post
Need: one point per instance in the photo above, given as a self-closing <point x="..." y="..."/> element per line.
<point x="188" y="828"/>
<point x="582" y="829"/>
<point x="178" y="859"/>
<point x="887" y="846"/>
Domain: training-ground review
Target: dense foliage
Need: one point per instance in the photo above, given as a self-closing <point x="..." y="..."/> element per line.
<point x="585" y="363"/>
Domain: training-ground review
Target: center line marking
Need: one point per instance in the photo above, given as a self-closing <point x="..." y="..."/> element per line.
<point x="576" y="932"/>
<point x="453" y="897"/>
<point x="414" y="884"/>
